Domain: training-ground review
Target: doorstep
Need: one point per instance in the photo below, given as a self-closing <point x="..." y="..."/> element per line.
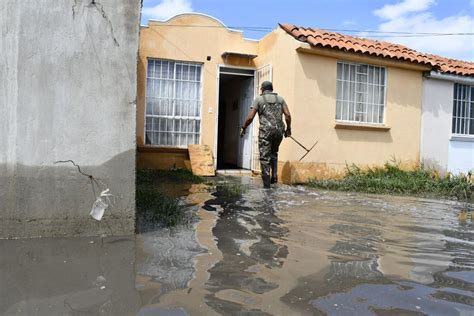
<point x="234" y="171"/>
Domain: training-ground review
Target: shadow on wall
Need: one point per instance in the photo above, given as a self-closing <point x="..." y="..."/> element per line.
<point x="435" y="165"/>
<point x="320" y="71"/>
<point x="437" y="97"/>
<point x="296" y="172"/>
<point x="404" y="87"/>
<point x="437" y="109"/>
<point x="56" y="200"/>
<point x="364" y="136"/>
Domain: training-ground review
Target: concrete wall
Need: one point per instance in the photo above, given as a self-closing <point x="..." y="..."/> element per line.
<point x="67" y="91"/>
<point x="436" y="123"/>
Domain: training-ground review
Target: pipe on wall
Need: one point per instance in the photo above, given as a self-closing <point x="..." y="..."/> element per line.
<point x="448" y="77"/>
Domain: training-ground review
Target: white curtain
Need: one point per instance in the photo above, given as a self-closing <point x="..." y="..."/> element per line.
<point x="173" y="103"/>
<point x="360" y="93"/>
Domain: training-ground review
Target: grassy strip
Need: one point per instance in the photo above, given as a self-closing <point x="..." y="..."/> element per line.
<point x="230" y="190"/>
<point x="156" y="207"/>
<point x="153" y="205"/>
<point x="390" y="179"/>
<point x="146" y="176"/>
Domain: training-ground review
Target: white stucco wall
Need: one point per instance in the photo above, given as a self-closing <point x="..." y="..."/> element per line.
<point x="436" y="123"/>
<point x="439" y="148"/>
<point x="461" y="155"/>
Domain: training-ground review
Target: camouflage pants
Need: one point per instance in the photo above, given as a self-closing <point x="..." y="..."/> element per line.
<point x="268" y="145"/>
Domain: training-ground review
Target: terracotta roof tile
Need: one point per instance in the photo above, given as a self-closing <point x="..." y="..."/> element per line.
<point x="323" y="38"/>
<point x="454" y="66"/>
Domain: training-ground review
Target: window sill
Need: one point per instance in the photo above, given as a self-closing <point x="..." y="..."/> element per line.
<point x="361" y="127"/>
<point x="462" y="138"/>
<point x="160" y="149"/>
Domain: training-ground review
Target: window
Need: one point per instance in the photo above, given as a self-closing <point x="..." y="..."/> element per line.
<point x="463" y="110"/>
<point x="360" y="93"/>
<point x="173" y="103"/>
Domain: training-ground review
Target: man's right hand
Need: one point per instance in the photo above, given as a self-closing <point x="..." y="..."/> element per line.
<point x="288" y="133"/>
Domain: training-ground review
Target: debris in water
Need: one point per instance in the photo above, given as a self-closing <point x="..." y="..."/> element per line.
<point x="464" y="215"/>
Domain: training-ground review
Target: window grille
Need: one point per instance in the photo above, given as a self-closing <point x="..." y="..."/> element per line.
<point x="463" y="110"/>
<point x="173" y="103"/>
<point x="360" y="93"/>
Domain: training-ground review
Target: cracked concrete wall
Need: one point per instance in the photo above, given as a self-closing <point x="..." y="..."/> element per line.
<point x="67" y="91"/>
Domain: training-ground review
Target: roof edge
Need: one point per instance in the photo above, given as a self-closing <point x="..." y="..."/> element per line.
<point x="439" y="75"/>
<point x="365" y="46"/>
<point x="289" y="28"/>
<point x="196" y="14"/>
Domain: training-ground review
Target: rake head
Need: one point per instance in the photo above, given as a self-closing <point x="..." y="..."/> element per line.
<point x="301" y="145"/>
<point x="308" y="150"/>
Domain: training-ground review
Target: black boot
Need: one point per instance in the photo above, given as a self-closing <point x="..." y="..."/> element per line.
<point x="266" y="181"/>
<point x="274" y="166"/>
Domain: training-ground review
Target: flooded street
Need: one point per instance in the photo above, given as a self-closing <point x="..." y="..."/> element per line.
<point x="250" y="251"/>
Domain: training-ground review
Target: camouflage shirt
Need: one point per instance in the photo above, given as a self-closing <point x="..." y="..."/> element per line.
<point x="269" y="107"/>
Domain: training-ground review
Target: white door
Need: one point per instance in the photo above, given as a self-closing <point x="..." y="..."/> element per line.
<point x="245" y="143"/>
<point x="263" y="74"/>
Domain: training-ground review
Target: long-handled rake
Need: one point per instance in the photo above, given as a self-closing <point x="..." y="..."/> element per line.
<point x="307" y="150"/>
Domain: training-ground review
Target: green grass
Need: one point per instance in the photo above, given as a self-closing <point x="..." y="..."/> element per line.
<point x="155" y="202"/>
<point x="230" y="190"/>
<point x="391" y="179"/>
<point x="156" y="207"/>
<point x="146" y="176"/>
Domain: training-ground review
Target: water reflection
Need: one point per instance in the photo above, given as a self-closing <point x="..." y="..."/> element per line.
<point x="68" y="276"/>
<point x="249" y="237"/>
<point x="284" y="251"/>
<point x="293" y="250"/>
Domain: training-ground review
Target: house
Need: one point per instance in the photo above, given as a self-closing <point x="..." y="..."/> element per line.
<point x="360" y="99"/>
<point x="447" y="142"/>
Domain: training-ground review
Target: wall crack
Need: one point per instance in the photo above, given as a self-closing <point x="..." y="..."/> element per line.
<point x="74" y="6"/>
<point x="102" y="200"/>
<point x="100" y="8"/>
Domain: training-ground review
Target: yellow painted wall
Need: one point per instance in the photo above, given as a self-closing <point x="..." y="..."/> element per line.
<point x="308" y="83"/>
<point x="314" y="113"/>
<point x="169" y="40"/>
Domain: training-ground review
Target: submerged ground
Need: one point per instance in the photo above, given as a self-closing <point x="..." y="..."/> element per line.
<point x="250" y="251"/>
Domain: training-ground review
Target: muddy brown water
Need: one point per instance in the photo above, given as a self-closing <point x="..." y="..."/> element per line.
<point x="250" y="251"/>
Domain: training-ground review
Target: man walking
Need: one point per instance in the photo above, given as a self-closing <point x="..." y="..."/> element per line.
<point x="270" y="108"/>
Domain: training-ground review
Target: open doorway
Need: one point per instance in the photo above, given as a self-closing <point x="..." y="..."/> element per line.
<point x="236" y="92"/>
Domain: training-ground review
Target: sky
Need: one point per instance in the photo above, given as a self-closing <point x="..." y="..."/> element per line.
<point x="352" y="17"/>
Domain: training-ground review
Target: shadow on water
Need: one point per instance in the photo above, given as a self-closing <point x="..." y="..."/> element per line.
<point x="247" y="236"/>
